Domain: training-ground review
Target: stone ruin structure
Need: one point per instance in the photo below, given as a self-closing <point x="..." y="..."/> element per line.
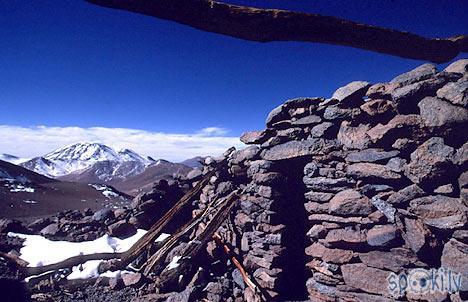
<point x="330" y="200"/>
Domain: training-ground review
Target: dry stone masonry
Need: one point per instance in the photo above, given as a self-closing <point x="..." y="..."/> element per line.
<point x="342" y="199"/>
<point x="342" y="192"/>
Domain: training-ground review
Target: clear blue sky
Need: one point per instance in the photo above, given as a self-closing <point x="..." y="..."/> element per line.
<point x="70" y="63"/>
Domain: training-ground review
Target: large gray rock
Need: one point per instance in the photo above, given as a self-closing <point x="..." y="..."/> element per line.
<point x="381" y="235"/>
<point x="307" y="120"/>
<point x="420" y="73"/>
<point x="455" y="92"/>
<point x="326" y="184"/>
<point x="460" y="66"/>
<point x="372" y="171"/>
<point x="335" y="112"/>
<point x="12" y="225"/>
<point x="51" y="230"/>
<point x="281" y="112"/>
<point x="240" y="156"/>
<point x="295" y="149"/>
<point x="461" y="155"/>
<point x="324" y="130"/>
<point x="370" y="155"/>
<point x="351" y="92"/>
<point x="436" y="112"/>
<point x="103" y="214"/>
<point x="430" y="162"/>
<point x="407" y="97"/>
<point x="122" y="229"/>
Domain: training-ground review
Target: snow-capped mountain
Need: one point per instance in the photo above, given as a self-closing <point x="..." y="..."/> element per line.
<point x="81" y="156"/>
<point x="12" y="159"/>
<point x="25" y="193"/>
<point x="126" y="170"/>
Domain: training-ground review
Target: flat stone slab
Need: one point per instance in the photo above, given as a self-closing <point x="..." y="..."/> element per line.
<point x="295" y="149"/>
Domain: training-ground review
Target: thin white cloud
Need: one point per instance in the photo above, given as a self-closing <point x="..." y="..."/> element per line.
<point x="39" y="140"/>
<point x="213" y="131"/>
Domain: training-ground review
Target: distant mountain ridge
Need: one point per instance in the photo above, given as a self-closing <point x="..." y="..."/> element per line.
<point x="27" y="194"/>
<point x="12" y="159"/>
<point x="97" y="163"/>
<point x="81" y="156"/>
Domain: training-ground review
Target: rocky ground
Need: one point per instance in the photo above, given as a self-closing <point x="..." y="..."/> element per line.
<point x="337" y="195"/>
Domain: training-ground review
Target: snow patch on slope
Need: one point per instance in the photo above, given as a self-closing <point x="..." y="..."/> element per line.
<point x="105" y="190"/>
<point x="39" y="251"/>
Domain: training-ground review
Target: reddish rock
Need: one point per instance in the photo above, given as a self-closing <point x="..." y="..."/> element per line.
<point x="440" y="211"/>
<point x="315" y="207"/>
<point x="115" y="283"/>
<point x="447" y="189"/>
<point x="122" y="229"/>
<point x="416" y="234"/>
<point x="256" y="137"/>
<point x="382" y="90"/>
<point x="350" y="203"/>
<point x="378" y="108"/>
<point x="267" y="278"/>
<point x="405" y="195"/>
<point x="354" y="137"/>
<point x="339" y="256"/>
<point x="345" y="238"/>
<point x="396" y="259"/>
<point x="368" y="279"/>
<point x="132" y="279"/>
<point x="318" y="196"/>
<point x="400" y="126"/>
<point x="455" y="258"/>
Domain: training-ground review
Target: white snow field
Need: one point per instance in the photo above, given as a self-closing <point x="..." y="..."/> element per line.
<point x="39" y="251"/>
